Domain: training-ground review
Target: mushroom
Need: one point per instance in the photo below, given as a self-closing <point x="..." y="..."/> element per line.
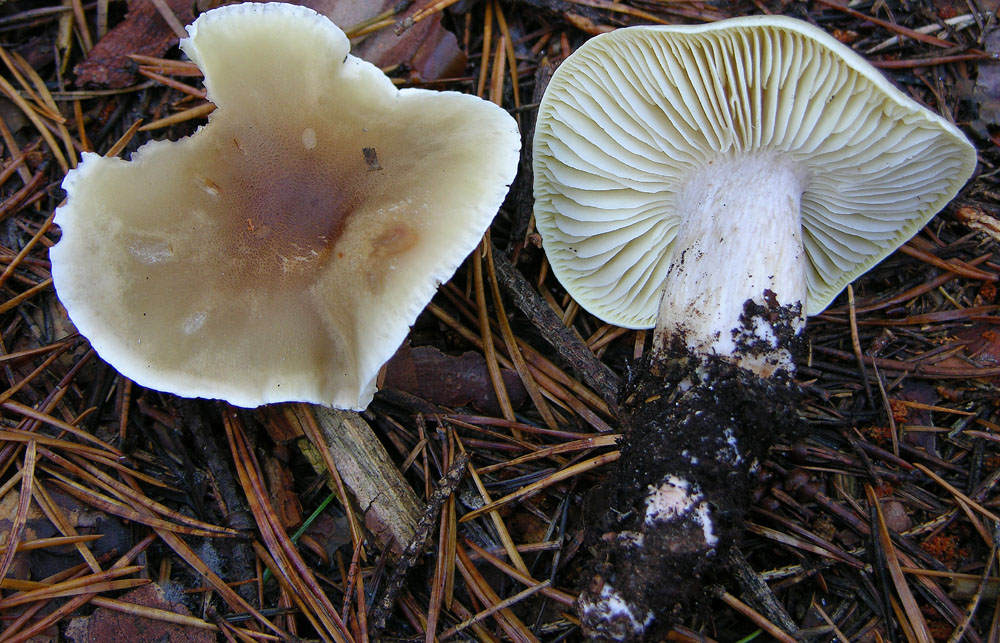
<point x="283" y="250"/>
<point x="718" y="182"/>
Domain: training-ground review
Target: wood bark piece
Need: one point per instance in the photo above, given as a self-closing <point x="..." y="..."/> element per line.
<point x="390" y="590"/>
<point x="450" y="380"/>
<point x="522" y="190"/>
<point x="567" y="343"/>
<point x="390" y="507"/>
<point x="144" y="31"/>
<point x="758" y="593"/>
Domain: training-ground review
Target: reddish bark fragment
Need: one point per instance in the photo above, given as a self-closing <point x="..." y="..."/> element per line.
<point x="143" y="31"/>
<point x="107" y="625"/>
<point x="448" y="380"/>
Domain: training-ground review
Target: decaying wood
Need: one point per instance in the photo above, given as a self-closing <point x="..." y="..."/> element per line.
<point x="564" y="340"/>
<point x="390" y="508"/>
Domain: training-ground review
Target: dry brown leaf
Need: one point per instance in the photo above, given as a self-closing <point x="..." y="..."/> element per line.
<point x="109" y="625"/>
<point x="449" y="380"/>
<point x="427" y="48"/>
<point x="143" y="31"/>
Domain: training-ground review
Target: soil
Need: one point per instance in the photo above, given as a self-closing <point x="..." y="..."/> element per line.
<point x="696" y="418"/>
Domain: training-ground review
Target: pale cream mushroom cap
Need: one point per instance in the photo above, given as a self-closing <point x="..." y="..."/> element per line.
<point x="282" y="251"/>
<point x="632" y="119"/>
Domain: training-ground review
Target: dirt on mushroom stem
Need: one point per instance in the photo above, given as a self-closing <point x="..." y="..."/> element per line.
<point x="694" y="428"/>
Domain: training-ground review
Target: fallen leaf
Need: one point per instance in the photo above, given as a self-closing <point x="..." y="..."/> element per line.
<point x="922" y="393"/>
<point x="427" y="48"/>
<point x="143" y="31"/>
<point x="449" y="380"/>
<point x="982" y="347"/>
<point x="331" y="530"/>
<point x="109" y="625"/>
<point x="40" y="563"/>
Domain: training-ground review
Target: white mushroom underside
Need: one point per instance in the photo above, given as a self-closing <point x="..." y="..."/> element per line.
<point x="617" y="141"/>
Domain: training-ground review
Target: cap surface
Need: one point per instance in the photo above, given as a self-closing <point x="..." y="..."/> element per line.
<point x="282" y="251"/>
<point x="633" y="114"/>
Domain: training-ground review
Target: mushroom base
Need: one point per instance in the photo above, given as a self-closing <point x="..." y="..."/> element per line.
<point x="661" y="527"/>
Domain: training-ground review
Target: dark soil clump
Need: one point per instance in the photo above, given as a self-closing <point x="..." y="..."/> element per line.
<point x="694" y="429"/>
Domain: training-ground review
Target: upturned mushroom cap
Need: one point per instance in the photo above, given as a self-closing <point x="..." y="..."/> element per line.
<point x="283" y="250"/>
<point x="632" y="119"/>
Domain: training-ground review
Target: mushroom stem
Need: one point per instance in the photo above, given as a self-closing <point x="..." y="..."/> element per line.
<point x="739" y="240"/>
<point x="717" y="385"/>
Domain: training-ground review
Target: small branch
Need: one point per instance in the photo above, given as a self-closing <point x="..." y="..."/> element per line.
<point x="425" y="527"/>
<point x="566" y="342"/>
<point x="391" y="508"/>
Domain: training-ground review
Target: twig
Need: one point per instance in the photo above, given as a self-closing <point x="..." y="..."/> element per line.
<point x="757" y="619"/>
<point x="421" y="537"/>
<point x="757" y="591"/>
<point x="565" y="341"/>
